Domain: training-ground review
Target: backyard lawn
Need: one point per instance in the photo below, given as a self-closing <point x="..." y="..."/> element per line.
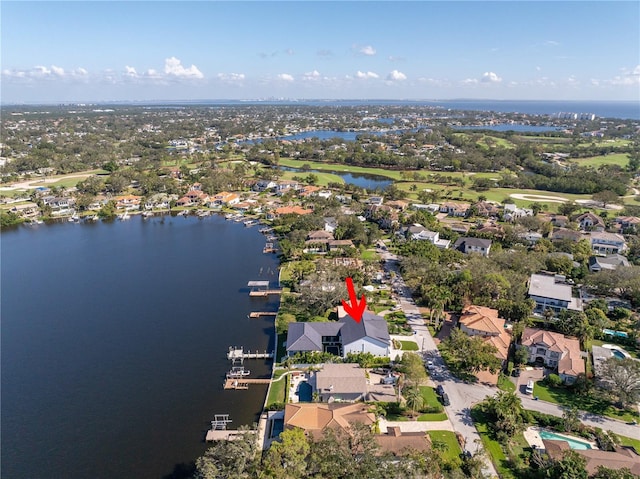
<point x="277" y="388"/>
<point x="591" y="403"/>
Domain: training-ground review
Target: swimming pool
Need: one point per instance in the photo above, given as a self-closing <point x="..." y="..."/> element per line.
<point x="618" y="354"/>
<point x="573" y="442"/>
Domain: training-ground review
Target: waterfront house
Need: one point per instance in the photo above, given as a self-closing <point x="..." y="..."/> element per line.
<point x="26" y="210"/>
<point x="552" y="292"/>
<point x="224" y="198"/>
<point x="554" y="350"/>
<point x="369" y="335"/>
<point x="291" y="210"/>
<point x="473" y="245"/>
<point x="313" y="419"/>
<point x="340" y="382"/>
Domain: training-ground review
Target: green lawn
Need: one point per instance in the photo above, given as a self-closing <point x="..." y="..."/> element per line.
<point x="628" y="441"/>
<point x="451" y="449"/>
<point x="277" y="389"/>
<point x="505" y="383"/>
<point x="620" y="159"/>
<point x="323" y="178"/>
<point x="592" y="404"/>
<point x="433" y="416"/>
<point x="430" y="398"/>
<point x="315" y="165"/>
<point x="408" y="345"/>
<point x="493" y="447"/>
<point x="369" y="254"/>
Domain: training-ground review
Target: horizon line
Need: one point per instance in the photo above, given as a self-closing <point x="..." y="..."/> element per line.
<point x="296" y="100"/>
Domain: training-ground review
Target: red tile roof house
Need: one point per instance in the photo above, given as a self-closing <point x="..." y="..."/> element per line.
<point x="485" y="323"/>
<point x="554" y="350"/>
<point x="313" y="419"/>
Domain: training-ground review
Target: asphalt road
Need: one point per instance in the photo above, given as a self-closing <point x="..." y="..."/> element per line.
<point x="463" y="396"/>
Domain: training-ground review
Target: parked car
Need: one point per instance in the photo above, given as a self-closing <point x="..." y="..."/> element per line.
<point x="439" y="390"/>
<point x="516" y="372"/>
<point x="430" y="365"/>
<point x="445" y="399"/>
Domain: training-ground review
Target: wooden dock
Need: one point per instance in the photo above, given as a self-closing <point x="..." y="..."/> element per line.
<point x="264" y="292"/>
<point x="225" y="435"/>
<point x="243" y="383"/>
<point x="239" y="354"/>
<point x="257" y="314"/>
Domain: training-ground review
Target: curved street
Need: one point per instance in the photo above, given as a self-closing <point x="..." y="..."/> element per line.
<point x="463" y="396"/>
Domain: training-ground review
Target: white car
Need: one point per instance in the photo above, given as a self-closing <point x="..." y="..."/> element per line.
<point x="430" y="365"/>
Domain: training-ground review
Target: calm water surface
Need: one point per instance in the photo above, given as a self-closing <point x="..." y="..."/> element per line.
<point x="114" y="338"/>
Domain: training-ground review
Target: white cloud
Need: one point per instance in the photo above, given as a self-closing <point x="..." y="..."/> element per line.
<point x="130" y="71"/>
<point x="173" y="67"/>
<point x="366" y="75"/>
<point x="469" y="81"/>
<point x="368" y="50"/>
<point x="551" y="43"/>
<point x="628" y="77"/>
<point x="289" y="51"/>
<point x="393" y="58"/>
<point x="312" y="75"/>
<point x="490" y="77"/>
<point x="231" y="77"/>
<point x="396" y="75"/>
<point x="285" y="77"/>
<point x="538" y="69"/>
<point x="58" y="71"/>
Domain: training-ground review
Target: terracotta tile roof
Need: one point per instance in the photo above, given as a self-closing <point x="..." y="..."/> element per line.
<point x="571" y="362"/>
<point x="482" y="319"/>
<point x="313" y="418"/>
<point x="295" y="210"/>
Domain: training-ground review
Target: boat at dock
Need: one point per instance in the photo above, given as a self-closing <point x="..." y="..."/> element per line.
<point x="250" y="222"/>
<point x="124" y="216"/>
<point x="238" y="372"/>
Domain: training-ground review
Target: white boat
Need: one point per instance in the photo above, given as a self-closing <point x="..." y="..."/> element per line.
<point x="74" y="218"/>
<point x="93" y="218"/>
<point x="250" y="222"/>
<point x="124" y="216"/>
<point x="147" y="214"/>
<point x="238" y="372"/>
<point x="229" y="216"/>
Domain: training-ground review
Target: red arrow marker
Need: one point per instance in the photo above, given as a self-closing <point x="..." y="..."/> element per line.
<point x="355" y="309"/>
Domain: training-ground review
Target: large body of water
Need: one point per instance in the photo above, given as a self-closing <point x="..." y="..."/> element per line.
<point x="605" y="109"/>
<point x="114" y="340"/>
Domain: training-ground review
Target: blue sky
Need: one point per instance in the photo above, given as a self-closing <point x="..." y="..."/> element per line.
<point x="101" y="51"/>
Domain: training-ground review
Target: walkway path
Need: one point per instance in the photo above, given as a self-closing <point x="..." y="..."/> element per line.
<point x="416" y="426"/>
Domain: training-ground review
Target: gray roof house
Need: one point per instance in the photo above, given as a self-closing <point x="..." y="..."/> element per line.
<point x="551" y="292"/>
<point x="340" y="382"/>
<point x="607" y="243"/>
<point x="369" y="335"/>
<point x="473" y="245"/>
<point x="612" y="261"/>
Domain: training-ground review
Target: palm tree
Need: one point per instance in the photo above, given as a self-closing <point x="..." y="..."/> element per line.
<point x="413" y="396"/>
